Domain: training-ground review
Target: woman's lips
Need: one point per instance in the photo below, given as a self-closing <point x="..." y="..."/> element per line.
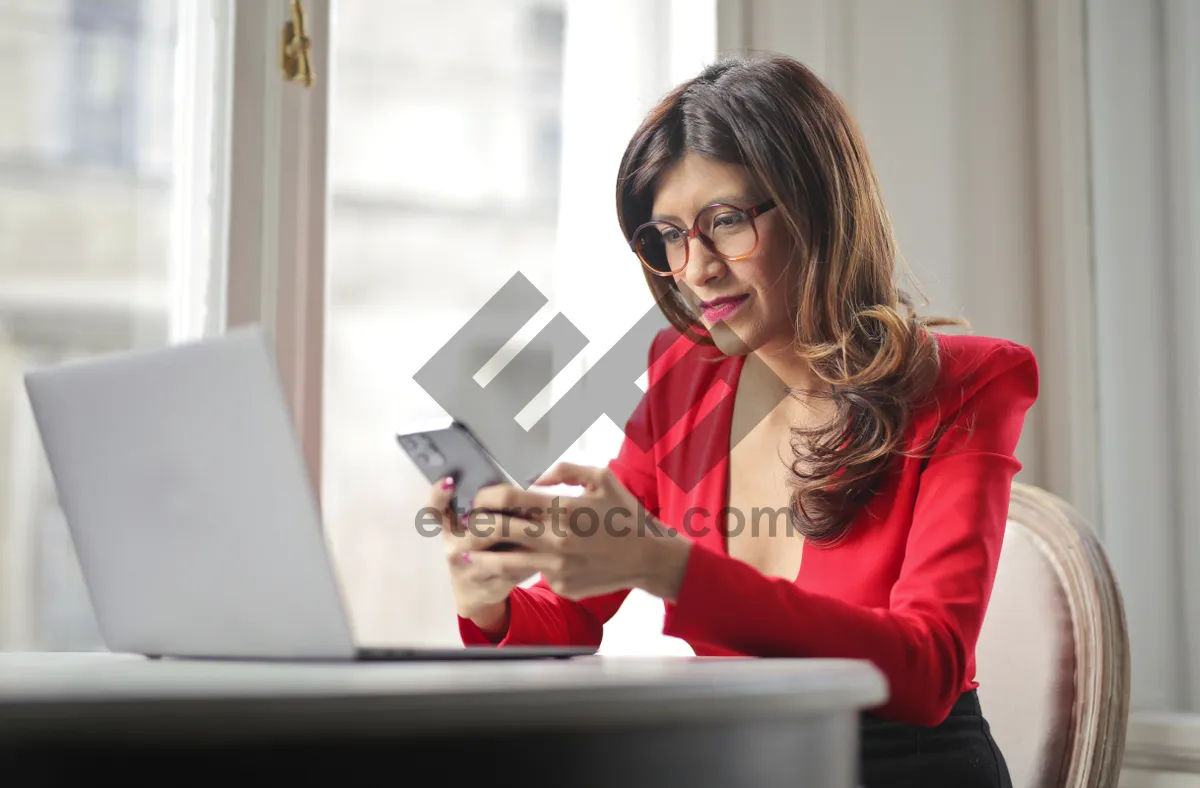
<point x="721" y="308"/>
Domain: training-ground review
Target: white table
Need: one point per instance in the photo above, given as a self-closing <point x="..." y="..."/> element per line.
<point x="590" y="721"/>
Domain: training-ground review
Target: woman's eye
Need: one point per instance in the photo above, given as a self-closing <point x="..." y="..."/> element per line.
<point x="731" y="219"/>
<point x="671" y="236"/>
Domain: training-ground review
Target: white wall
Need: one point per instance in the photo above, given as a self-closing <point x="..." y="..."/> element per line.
<point x="942" y="91"/>
<point x="1145" y="778"/>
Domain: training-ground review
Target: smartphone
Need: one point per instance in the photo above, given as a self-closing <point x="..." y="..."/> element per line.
<point x="453" y="450"/>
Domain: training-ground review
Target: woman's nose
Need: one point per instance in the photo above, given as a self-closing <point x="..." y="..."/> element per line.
<point x="703" y="266"/>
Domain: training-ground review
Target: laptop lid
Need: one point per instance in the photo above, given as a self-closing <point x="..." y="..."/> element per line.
<point x="184" y="489"/>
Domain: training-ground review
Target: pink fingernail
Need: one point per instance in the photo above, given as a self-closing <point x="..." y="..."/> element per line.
<point x="447" y="483"/>
<point x="466" y="558"/>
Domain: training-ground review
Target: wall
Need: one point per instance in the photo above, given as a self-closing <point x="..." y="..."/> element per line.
<point x="1145" y="108"/>
<point x="1041" y="160"/>
<point x="1145" y="778"/>
<point x="941" y="90"/>
<point x="1144" y="77"/>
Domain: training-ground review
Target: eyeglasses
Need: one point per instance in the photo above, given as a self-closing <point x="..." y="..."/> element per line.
<point x="727" y="230"/>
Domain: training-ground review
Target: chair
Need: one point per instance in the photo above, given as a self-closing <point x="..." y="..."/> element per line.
<point x="1053" y="654"/>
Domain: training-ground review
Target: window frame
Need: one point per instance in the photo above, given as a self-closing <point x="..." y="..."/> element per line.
<point x="276" y="204"/>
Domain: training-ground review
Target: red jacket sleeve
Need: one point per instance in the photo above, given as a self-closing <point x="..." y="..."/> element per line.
<point x="537" y="615"/>
<point x="924" y="639"/>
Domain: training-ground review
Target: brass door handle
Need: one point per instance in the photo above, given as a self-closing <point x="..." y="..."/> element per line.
<point x="295" y="49"/>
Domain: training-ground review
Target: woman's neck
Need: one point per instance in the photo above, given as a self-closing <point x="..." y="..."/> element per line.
<point x="777" y="368"/>
<point x="777" y="380"/>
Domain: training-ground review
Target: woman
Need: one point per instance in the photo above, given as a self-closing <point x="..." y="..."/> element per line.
<point x="879" y="453"/>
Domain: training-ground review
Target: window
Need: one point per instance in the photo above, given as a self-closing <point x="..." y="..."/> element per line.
<point x="465" y="145"/>
<point x="457" y="161"/>
<point x="545" y="25"/>
<point x="444" y="182"/>
<point x="102" y="82"/>
<point x="87" y="261"/>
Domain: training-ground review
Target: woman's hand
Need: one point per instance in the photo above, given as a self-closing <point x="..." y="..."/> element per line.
<point x="599" y="542"/>
<point x="480" y="586"/>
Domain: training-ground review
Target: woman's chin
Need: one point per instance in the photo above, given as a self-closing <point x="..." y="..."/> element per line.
<point x="730" y="342"/>
<point x="742" y="337"/>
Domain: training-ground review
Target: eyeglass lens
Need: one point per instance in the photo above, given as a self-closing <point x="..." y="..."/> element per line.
<point x="664" y="247"/>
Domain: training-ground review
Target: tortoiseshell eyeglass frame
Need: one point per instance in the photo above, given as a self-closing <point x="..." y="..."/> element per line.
<point x="752" y="213"/>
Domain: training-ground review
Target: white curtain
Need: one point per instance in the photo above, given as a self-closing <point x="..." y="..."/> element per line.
<point x="1144" y="76"/>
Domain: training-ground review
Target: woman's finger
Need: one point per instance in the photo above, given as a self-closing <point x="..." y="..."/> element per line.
<point x="513" y="500"/>
<point x="513" y="568"/>
<point x="491" y="576"/>
<point x="440" y="493"/>
<point x="487" y="530"/>
<point x="569" y="473"/>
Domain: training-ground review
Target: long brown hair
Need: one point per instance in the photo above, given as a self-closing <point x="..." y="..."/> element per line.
<point x="854" y="325"/>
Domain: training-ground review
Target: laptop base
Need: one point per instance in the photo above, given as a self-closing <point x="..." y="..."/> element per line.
<point x="389" y="654"/>
<point x="420" y="654"/>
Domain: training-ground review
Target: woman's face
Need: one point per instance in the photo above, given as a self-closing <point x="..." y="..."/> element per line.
<point x="746" y="305"/>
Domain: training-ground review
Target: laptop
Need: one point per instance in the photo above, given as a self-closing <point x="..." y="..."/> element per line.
<point x="191" y="511"/>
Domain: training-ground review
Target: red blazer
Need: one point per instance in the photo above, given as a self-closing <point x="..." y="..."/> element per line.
<point x="907" y="589"/>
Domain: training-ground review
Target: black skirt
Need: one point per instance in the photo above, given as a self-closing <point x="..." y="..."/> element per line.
<point x="958" y="753"/>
